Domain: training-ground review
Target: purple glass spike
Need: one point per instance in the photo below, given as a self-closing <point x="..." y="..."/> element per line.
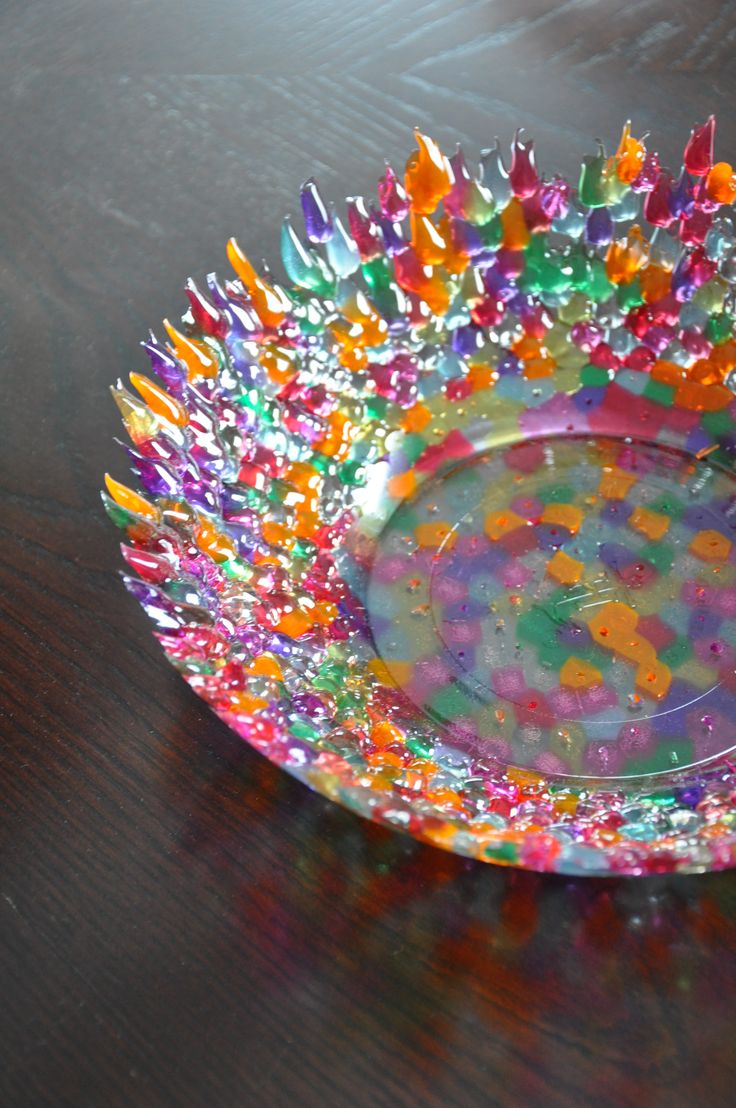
<point x="316" y="219"/>
<point x="599" y="227"/>
<point x="392" y="196"/>
<point x="163" y="363"/>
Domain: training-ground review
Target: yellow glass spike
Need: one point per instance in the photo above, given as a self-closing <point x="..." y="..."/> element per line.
<point x="140" y="422"/>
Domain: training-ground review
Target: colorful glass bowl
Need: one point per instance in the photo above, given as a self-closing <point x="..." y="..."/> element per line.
<point x="446" y="528"/>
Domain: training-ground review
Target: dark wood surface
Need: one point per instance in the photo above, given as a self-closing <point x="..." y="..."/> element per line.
<point x="180" y="923"/>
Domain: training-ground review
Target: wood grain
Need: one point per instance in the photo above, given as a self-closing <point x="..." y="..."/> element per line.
<point x="180" y="923"/>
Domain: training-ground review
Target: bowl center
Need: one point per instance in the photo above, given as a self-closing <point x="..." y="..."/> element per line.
<point x="567" y="604"/>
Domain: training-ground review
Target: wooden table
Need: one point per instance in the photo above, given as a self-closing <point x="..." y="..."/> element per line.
<point x="181" y="923"/>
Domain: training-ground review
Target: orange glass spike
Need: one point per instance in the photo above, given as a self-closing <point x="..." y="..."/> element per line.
<point x="240" y="263"/>
<point x="278" y="361"/>
<point x="515" y="231"/>
<point x="629" y="157"/>
<point x="359" y="310"/>
<point x="129" y="500"/>
<point x="159" y="401"/>
<point x="435" y="294"/>
<point x="210" y="541"/>
<point x="721" y="183"/>
<point x="270" y="306"/>
<point x="655" y="282"/>
<point x="196" y="355"/>
<point x="266" y="665"/>
<point x="428" y="175"/>
<point x="456" y="260"/>
<point x="626" y="256"/>
<point x="429" y="245"/>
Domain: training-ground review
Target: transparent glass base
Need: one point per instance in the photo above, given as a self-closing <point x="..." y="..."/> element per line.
<point x="567" y="604"/>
